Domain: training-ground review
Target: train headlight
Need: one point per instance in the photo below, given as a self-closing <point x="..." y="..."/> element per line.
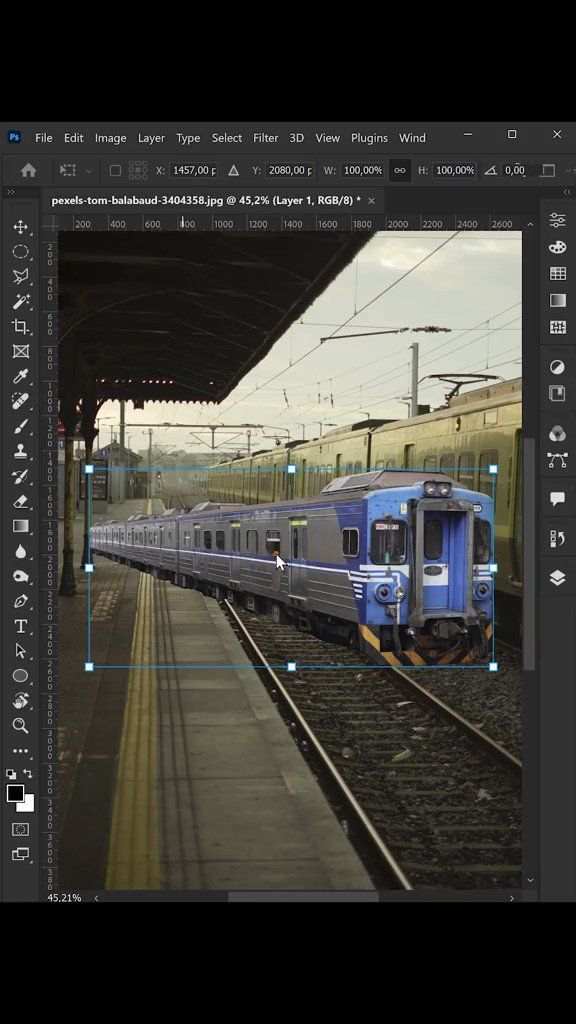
<point x="444" y="490"/>
<point x="399" y="593"/>
<point x="382" y="593"/>
<point x="429" y="488"/>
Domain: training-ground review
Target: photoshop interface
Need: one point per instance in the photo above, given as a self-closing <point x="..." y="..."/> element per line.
<point x="288" y="502"/>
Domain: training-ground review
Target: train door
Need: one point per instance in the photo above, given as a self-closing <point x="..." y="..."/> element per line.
<point x="436" y="570"/>
<point x="235" y="560"/>
<point x="298" y="557"/>
<point x="408" y="456"/>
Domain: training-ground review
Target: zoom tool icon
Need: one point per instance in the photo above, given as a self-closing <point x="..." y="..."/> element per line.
<point x="557" y="433"/>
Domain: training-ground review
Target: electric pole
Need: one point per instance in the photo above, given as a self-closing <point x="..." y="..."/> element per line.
<point x="149" y="463"/>
<point x="414" y="393"/>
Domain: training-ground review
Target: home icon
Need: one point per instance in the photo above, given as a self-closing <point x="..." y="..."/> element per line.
<point x="28" y="171"/>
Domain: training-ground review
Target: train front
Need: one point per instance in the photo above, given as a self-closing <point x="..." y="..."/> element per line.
<point x="429" y="572"/>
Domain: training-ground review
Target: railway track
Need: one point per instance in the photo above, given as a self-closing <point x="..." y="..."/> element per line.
<point x="173" y="499"/>
<point x="432" y="800"/>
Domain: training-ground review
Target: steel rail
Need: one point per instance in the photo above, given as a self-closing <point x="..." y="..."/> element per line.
<point x="479" y="737"/>
<point x="360" y="816"/>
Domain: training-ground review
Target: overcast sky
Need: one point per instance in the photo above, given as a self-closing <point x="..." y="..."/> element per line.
<point x="472" y="285"/>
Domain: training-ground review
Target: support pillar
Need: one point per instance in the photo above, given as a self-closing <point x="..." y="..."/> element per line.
<point x="88" y="428"/>
<point x="67" y="580"/>
<point x="122" y="452"/>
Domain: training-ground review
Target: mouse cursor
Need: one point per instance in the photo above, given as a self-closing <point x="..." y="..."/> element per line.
<point x="280" y="563"/>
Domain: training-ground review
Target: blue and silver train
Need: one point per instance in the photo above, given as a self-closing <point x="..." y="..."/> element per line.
<point x="397" y="562"/>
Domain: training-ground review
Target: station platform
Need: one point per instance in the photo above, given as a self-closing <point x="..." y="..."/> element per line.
<point x="177" y="772"/>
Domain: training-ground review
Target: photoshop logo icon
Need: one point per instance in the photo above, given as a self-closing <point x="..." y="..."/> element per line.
<point x="15" y="135"/>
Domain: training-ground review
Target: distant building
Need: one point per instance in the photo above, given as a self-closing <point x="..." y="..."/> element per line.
<point x="132" y="485"/>
<point x="112" y="453"/>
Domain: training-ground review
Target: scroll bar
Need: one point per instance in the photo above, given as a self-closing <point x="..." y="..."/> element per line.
<point x="530" y="546"/>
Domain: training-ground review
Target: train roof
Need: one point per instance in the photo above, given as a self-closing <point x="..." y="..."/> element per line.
<point x="506" y="392"/>
<point x="500" y="390"/>
<point x="476" y="404"/>
<point x="382" y="480"/>
<point x="349" y="428"/>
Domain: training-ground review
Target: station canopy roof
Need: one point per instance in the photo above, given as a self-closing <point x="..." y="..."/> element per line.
<point x="166" y="316"/>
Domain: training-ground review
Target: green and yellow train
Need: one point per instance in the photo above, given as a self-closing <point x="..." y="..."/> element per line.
<point x="478" y="430"/>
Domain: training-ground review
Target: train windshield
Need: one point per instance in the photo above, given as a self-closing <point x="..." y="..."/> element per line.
<point x="388" y="541"/>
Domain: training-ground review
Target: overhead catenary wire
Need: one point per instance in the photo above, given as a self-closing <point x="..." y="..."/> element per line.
<point x="430" y="360"/>
<point x="403" y="366"/>
<point x="391" y="398"/>
<point x="366" y="305"/>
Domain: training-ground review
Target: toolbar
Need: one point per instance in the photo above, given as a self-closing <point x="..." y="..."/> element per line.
<point x="29" y="544"/>
<point x="558" y="401"/>
<point x="40" y="169"/>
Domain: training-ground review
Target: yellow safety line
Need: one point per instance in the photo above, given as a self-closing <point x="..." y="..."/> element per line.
<point x="133" y="852"/>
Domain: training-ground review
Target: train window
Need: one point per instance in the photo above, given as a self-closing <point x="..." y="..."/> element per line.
<point x="388" y="542"/>
<point x="433" y="539"/>
<point x="481" y="541"/>
<point x="207" y="539"/>
<point x="447" y="461"/>
<point x="379" y="464"/>
<point x="390" y="463"/>
<point x="295" y="542"/>
<point x="466" y="469"/>
<point x="272" y="542"/>
<point x="350" y="542"/>
<point x="486" y="480"/>
<point x="252" y="541"/>
<point x="186" y="538"/>
<point x="430" y="462"/>
<point x="220" y="542"/>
